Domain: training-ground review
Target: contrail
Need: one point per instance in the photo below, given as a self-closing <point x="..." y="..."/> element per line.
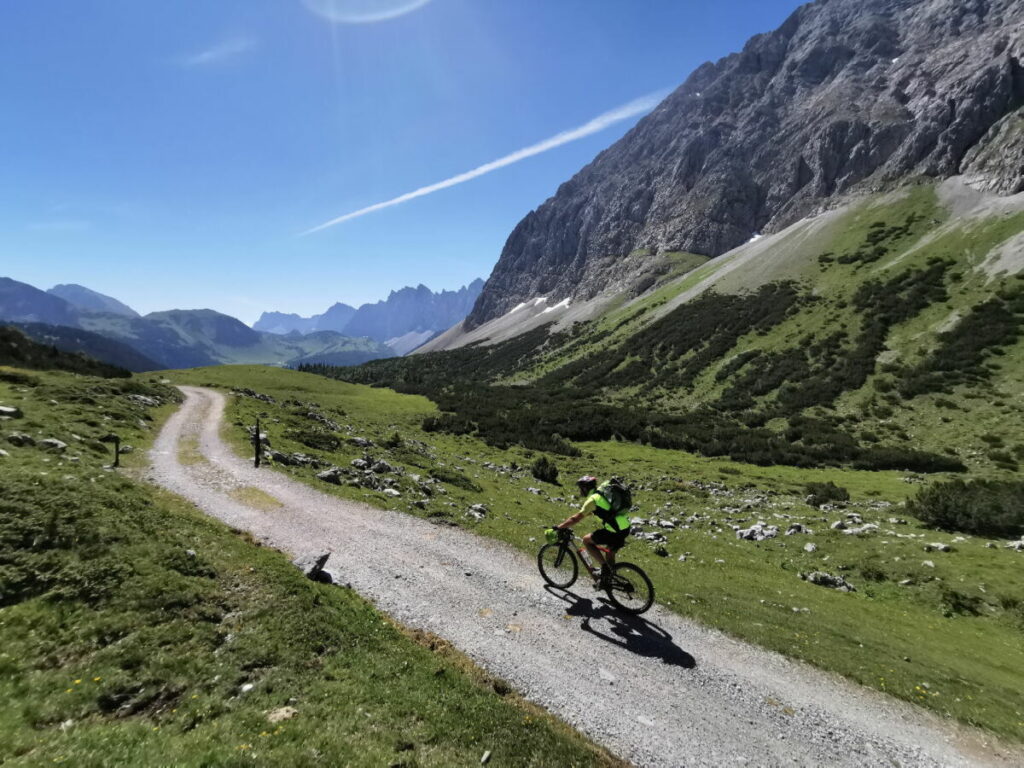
<point x="599" y="123"/>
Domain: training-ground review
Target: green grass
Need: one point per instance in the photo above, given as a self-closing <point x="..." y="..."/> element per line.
<point x="890" y="637"/>
<point x="132" y="627"/>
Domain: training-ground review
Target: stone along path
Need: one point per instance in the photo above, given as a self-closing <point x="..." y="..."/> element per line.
<point x="657" y="690"/>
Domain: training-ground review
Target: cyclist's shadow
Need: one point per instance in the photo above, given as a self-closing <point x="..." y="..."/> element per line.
<point x="634" y="633"/>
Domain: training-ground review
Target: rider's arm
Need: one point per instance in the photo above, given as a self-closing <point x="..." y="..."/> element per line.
<point x="587" y="508"/>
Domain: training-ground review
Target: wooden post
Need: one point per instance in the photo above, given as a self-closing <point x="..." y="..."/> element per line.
<point x="117" y="451"/>
<point x="259" y="443"/>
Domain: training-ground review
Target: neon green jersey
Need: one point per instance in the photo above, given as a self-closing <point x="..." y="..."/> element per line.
<point x="598" y="505"/>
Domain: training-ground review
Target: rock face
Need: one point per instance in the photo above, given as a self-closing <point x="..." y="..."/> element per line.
<point x="845" y="93"/>
<point x="406" y="319"/>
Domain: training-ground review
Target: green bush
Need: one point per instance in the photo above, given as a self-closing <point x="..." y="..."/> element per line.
<point x="823" y="493"/>
<point x="984" y="507"/>
<point x="544" y="470"/>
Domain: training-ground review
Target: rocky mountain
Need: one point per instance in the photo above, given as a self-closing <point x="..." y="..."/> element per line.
<point x="90" y="301"/>
<point x="846" y="96"/>
<point x="334" y="319"/>
<point x="403" y="321"/>
<point x="172" y="339"/>
<point x="413" y="310"/>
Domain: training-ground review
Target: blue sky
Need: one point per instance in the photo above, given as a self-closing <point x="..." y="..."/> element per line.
<point x="172" y="154"/>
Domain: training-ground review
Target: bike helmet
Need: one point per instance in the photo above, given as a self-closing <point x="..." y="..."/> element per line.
<point x="587" y="484"/>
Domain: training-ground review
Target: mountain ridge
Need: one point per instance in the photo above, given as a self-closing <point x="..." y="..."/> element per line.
<point x="844" y="95"/>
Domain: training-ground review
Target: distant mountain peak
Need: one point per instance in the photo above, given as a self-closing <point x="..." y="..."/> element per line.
<point x="406" y="317"/>
<point x="89" y="300"/>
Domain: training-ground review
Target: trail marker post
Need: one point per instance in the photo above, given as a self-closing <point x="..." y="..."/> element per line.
<point x="258" y="443"/>
<point x="117" y="451"/>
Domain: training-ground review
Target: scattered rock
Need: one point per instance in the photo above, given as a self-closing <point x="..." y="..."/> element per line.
<point x="281" y="714"/>
<point x="535" y="491"/>
<point x="10" y="412"/>
<point x="928" y="564"/>
<point x="1016" y="546"/>
<point x="149" y="402"/>
<point x="935" y="547"/>
<point x="362" y="442"/>
<point x="392" y="492"/>
<point x="758" y="532"/>
<point x="53" y="445"/>
<point x="126" y="449"/>
<point x="795" y="528"/>
<point x="478" y="512"/>
<point x="838" y="525"/>
<point x="823" y="579"/>
<point x="810" y="547"/>
<point x="246" y="392"/>
<point x="866" y="528"/>
<point x="661" y="551"/>
<point x="20" y="439"/>
<point x="381" y="467"/>
<point x="332" y="475"/>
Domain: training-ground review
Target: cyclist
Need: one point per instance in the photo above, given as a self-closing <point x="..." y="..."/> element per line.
<point x="611" y="537"/>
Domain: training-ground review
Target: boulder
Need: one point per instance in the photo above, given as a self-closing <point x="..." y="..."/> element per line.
<point x="810" y="547"/>
<point x="333" y="475"/>
<point x="795" y="528"/>
<point x="392" y="492"/>
<point x="381" y="467"/>
<point x="866" y="528"/>
<point x="10" y="412"/>
<point x="54" y="445"/>
<point x="936" y="547"/>
<point x="360" y="463"/>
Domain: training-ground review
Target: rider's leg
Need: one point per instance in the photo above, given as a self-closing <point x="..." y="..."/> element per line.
<point x="592" y="549"/>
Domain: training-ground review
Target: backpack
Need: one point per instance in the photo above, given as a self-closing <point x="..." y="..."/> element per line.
<point x="616" y="493"/>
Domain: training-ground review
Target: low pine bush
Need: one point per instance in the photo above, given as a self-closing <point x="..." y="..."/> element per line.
<point x="544" y="470"/>
<point x="983" y="507"/>
<point x="823" y="493"/>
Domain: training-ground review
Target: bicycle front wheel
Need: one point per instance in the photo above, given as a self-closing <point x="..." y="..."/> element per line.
<point x="558" y="565"/>
<point x="630" y="589"/>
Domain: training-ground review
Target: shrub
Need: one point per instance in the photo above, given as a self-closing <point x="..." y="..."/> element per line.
<point x="453" y="477"/>
<point x="984" y="507"/>
<point x="544" y="470"/>
<point x="823" y="493"/>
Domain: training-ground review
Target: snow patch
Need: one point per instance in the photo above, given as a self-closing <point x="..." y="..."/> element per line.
<point x="757" y="236"/>
<point x="560" y="305"/>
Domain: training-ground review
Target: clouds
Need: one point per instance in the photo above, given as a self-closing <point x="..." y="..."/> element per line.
<point x="362" y="11"/>
<point x="599" y="123"/>
<point x="225" y="50"/>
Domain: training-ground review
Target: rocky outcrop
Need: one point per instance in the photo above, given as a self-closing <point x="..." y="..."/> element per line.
<point x="845" y="94"/>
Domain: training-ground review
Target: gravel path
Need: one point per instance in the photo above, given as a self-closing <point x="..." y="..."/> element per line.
<point x="657" y="690"/>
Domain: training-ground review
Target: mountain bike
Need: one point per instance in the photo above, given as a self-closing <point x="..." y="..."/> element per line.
<point x="627" y="586"/>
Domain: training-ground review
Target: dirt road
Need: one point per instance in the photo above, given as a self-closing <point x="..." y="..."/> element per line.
<point x="657" y="690"/>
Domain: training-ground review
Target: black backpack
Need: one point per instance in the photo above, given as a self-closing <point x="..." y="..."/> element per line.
<point x="616" y="493"/>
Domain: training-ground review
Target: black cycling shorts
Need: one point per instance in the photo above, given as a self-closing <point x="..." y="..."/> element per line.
<point x="613" y="541"/>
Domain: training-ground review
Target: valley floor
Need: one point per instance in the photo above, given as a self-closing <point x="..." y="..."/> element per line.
<point x="660" y="690"/>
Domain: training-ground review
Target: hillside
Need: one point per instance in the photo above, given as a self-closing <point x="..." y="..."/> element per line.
<point x="886" y="334"/>
<point x="89" y="300"/>
<point x="137" y="631"/>
<point x="54" y="348"/>
<point x="846" y="96"/>
<point x="93" y="345"/>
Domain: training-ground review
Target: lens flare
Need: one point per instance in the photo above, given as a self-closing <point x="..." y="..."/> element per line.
<point x="362" y="11"/>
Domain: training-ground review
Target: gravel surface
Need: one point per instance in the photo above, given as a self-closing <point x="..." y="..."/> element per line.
<point x="657" y="690"/>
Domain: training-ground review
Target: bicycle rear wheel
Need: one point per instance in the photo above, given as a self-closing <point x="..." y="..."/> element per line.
<point x="558" y="566"/>
<point x="630" y="589"/>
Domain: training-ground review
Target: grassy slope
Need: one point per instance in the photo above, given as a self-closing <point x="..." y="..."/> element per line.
<point x="892" y="637"/>
<point x="118" y="647"/>
<point x="976" y="412"/>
